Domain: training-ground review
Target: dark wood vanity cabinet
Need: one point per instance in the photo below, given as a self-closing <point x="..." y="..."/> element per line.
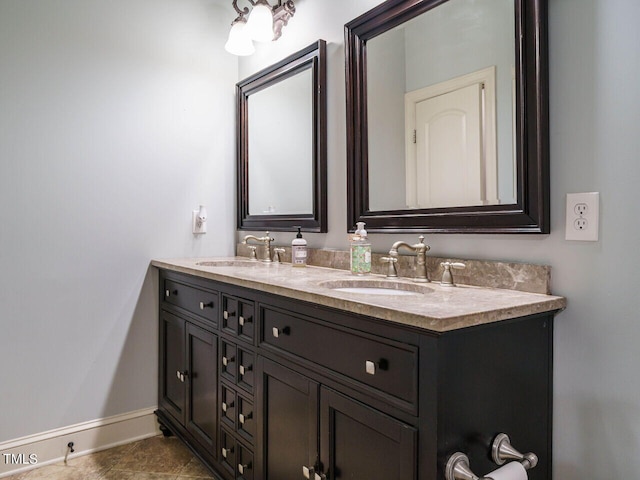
<point x="188" y="378"/>
<point x="188" y="374"/>
<point x="297" y="390"/>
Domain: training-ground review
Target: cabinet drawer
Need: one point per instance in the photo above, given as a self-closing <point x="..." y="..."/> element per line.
<point x="246" y="422"/>
<point x="228" y="452"/>
<point x="199" y="302"/>
<point x="384" y="365"/>
<point x="244" y="459"/>
<point x="237" y="317"/>
<point x="228" y="361"/>
<point x="228" y="408"/>
<point x="246" y="360"/>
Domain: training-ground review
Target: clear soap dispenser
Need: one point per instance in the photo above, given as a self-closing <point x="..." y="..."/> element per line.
<point x="360" y="251"/>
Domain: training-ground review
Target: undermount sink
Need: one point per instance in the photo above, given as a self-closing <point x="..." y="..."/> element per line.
<point x="230" y="263"/>
<point x="376" y="287"/>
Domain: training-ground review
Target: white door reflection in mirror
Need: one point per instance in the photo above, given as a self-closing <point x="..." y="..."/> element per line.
<point x="451" y="145"/>
<point x="454" y="41"/>
<point x="280" y="131"/>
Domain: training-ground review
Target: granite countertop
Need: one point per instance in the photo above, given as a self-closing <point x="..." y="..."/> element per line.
<point x="432" y="307"/>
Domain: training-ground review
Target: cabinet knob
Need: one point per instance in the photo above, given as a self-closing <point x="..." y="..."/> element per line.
<point x="205" y="305"/>
<point x="167" y="293"/>
<point x="241" y="320"/>
<point x="226" y="451"/>
<point x="226" y="314"/>
<point x="243" y="467"/>
<point x="279" y="331"/>
<point x="307" y="472"/>
<point x="243" y="418"/>
<point x="227" y="360"/>
<point x="182" y="375"/>
<point x="244" y="369"/>
<point x="226" y="406"/>
<point x="371" y="367"/>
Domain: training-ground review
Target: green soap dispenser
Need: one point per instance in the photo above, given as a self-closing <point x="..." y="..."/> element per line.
<point x="299" y="250"/>
<point x="360" y="251"/>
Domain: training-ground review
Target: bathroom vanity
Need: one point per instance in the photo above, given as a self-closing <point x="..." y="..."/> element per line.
<point x="272" y="372"/>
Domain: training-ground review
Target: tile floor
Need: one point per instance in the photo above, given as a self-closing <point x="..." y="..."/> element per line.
<point x="156" y="458"/>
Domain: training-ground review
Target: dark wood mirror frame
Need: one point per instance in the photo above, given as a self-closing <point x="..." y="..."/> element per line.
<point x="312" y="57"/>
<point x="530" y="213"/>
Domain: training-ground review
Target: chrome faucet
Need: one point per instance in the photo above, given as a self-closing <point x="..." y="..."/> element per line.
<point x="419" y="248"/>
<point x="266" y="240"/>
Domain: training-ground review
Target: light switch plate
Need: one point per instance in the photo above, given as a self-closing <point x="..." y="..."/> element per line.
<point x="583" y="215"/>
<point x="197" y="227"/>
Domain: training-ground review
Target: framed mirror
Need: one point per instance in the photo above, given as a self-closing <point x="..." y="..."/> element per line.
<point x="282" y="144"/>
<point x="447" y="117"/>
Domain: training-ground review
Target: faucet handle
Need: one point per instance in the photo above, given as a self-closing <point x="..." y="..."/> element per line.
<point x="447" y="276"/>
<point x="252" y="252"/>
<point x="276" y="254"/>
<point x="392" y="271"/>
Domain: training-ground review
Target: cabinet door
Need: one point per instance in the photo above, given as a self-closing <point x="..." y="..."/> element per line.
<point x="172" y="365"/>
<point x="357" y="441"/>
<point x="202" y="353"/>
<point x="287" y="422"/>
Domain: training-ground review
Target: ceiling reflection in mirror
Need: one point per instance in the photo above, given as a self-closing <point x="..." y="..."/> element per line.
<point x="281" y="172"/>
<point x="441" y="108"/>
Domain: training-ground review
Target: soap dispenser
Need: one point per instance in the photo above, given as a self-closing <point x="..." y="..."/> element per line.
<point x="299" y="250"/>
<point x="360" y="251"/>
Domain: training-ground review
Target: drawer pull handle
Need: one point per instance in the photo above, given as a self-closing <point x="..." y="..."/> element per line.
<point x="279" y="331"/>
<point x="243" y="418"/>
<point x="242" y="468"/>
<point x="226" y="451"/>
<point x="371" y="367"/>
<point x="307" y="472"/>
<point x="205" y="305"/>
<point x="226" y="406"/>
<point x="244" y="370"/>
<point x="227" y="360"/>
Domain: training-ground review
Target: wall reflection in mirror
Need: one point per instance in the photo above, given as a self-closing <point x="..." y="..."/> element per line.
<point x="281" y="172"/>
<point x="441" y="108"/>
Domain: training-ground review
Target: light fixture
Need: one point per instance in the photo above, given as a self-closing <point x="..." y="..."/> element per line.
<point x="264" y="24"/>
<point x="260" y="24"/>
<point x="239" y="42"/>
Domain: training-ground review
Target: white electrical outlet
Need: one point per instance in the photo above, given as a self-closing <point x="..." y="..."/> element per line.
<point x="583" y="210"/>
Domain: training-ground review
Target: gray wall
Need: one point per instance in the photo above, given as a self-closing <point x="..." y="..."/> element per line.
<point x="594" y="103"/>
<point x="116" y="120"/>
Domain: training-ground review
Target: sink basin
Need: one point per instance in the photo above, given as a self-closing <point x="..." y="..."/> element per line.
<point x="230" y="263"/>
<point x="376" y="287"/>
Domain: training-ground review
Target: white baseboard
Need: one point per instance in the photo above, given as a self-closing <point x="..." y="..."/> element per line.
<point x="50" y="447"/>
